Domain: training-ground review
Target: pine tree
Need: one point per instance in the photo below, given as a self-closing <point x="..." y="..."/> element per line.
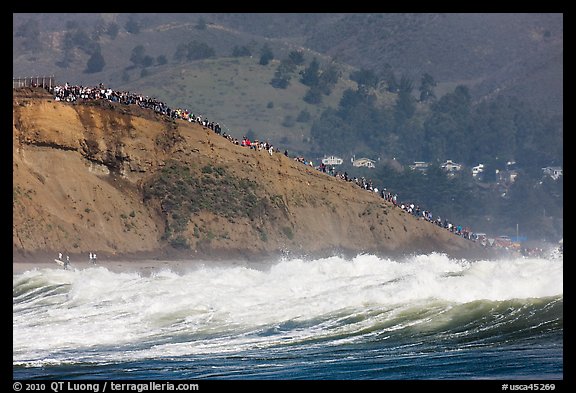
<point x="311" y="75"/>
<point x="95" y="63"/>
<point x="266" y="55"/>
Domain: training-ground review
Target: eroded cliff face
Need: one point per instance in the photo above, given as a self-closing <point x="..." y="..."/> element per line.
<point x="117" y="179"/>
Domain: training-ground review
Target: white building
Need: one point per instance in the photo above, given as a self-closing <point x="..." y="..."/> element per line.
<point x="553" y="171"/>
<point x="477" y="170"/>
<point x="364" y="162"/>
<point x="450" y="166"/>
<point x="419" y="165"/>
<point x="332" y="160"/>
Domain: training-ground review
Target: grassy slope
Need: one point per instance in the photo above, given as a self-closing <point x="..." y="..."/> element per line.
<point x="236" y="93"/>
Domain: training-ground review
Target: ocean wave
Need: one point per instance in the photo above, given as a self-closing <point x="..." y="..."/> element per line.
<point x="94" y="314"/>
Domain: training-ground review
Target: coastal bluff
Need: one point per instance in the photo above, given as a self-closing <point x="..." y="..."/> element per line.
<point x="121" y="180"/>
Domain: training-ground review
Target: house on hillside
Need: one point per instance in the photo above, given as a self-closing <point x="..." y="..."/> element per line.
<point x="451" y="167"/>
<point x="553" y="171"/>
<point x="477" y="171"/>
<point x="332" y="160"/>
<point x="419" y="166"/>
<point x="364" y="162"/>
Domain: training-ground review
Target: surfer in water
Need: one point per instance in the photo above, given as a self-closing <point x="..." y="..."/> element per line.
<point x="60" y="262"/>
<point x="93" y="258"/>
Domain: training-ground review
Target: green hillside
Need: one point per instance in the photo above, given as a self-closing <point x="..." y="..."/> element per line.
<point x="236" y="92"/>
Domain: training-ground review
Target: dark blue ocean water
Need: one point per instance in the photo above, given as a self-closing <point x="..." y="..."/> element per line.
<point x="426" y="317"/>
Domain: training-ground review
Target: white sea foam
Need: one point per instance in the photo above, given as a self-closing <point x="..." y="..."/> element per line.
<point x="95" y="314"/>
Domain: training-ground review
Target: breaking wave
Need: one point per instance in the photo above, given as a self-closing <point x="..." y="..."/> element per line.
<point x="95" y="315"/>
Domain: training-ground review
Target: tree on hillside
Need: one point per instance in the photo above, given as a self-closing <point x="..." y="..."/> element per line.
<point x="78" y="38"/>
<point x="311" y="74"/>
<point x="427" y="84"/>
<point x="409" y="134"/>
<point x="313" y="96"/>
<point x="405" y="103"/>
<point x="406" y="84"/>
<point x="490" y="168"/>
<point x="296" y="57"/>
<point x="280" y="80"/>
<point x="405" y="107"/>
<point x="138" y="54"/>
<point x="161" y="60"/>
<point x="358" y="122"/>
<point x="352" y="100"/>
<point x="329" y="78"/>
<point x="526" y="206"/>
<point x="330" y="133"/>
<point x="283" y="74"/>
<point x="95" y="63"/>
<point x="194" y="50"/>
<point x="447" y="128"/>
<point x="148" y="61"/>
<point x="495" y="129"/>
<point x="266" y="55"/>
<point x="548" y="134"/>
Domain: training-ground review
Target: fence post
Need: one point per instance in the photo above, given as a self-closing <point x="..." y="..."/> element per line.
<point x="38" y="81"/>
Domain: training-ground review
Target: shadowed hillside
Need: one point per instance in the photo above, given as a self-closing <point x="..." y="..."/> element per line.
<point x="519" y="54"/>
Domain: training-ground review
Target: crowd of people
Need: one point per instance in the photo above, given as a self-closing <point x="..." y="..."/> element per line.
<point x="73" y="93"/>
<point x="408" y="207"/>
